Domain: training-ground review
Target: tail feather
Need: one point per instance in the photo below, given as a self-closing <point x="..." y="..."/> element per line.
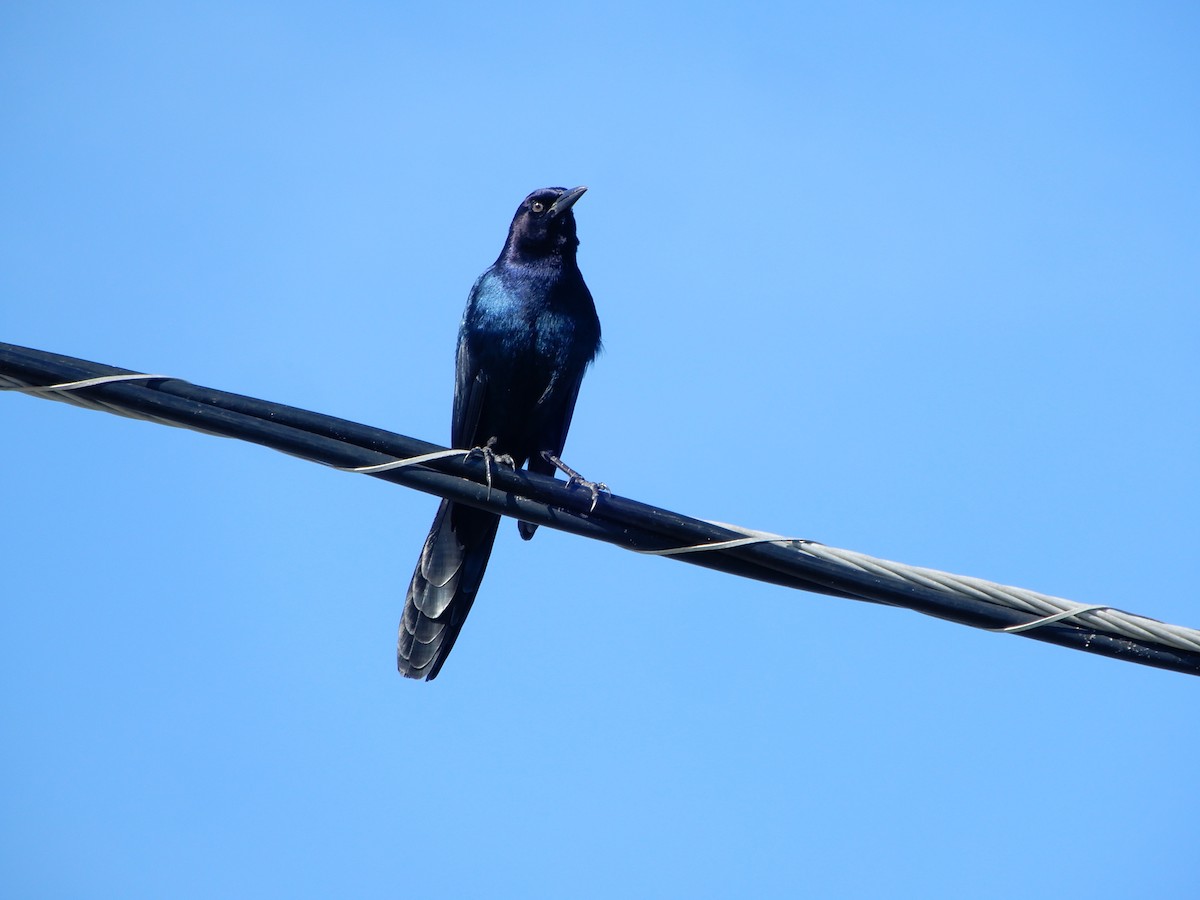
<point x="443" y="587"/>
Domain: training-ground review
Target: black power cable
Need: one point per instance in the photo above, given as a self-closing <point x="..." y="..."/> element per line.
<point x="535" y="498"/>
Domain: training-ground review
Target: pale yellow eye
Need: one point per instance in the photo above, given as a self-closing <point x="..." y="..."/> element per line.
<point x="537" y="206"/>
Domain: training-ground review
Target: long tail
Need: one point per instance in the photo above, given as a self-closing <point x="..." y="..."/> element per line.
<point x="443" y="587"/>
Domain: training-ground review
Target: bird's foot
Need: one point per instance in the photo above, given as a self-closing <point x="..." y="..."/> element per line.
<point x="492" y="458"/>
<point x="574" y="479"/>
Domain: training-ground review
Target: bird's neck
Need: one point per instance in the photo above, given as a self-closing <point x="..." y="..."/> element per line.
<point x="558" y="259"/>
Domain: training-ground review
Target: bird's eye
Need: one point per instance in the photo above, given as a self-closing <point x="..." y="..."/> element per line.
<point x="537" y="206"/>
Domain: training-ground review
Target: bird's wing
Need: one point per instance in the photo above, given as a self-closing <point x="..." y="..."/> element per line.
<point x="470" y="391"/>
<point x="559" y="400"/>
<point x="552" y="438"/>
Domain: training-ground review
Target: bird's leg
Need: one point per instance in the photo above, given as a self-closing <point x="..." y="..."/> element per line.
<point x="491" y="458"/>
<point x="574" y="479"/>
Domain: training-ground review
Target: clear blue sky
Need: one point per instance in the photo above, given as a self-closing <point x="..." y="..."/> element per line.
<point x="917" y="280"/>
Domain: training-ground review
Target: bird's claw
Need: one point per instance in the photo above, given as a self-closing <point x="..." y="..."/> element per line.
<point x="595" y="488"/>
<point x="491" y="458"/>
<point x="575" y="480"/>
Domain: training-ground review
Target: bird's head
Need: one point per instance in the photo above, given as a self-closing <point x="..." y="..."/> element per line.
<point x="544" y="223"/>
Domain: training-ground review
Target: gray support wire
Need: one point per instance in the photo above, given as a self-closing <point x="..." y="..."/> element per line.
<point x="456" y="474"/>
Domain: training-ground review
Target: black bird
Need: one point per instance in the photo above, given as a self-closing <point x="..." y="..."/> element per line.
<point x="527" y="336"/>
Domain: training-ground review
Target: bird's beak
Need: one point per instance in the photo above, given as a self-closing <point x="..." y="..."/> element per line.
<point x="567" y="200"/>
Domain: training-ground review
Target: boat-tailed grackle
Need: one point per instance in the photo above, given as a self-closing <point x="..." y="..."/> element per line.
<point x="527" y="336"/>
